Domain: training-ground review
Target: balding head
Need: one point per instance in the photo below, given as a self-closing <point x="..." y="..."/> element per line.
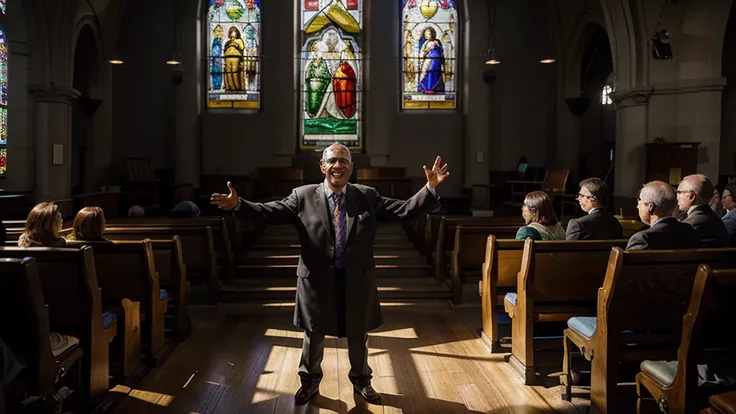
<point x="656" y="199"/>
<point x="337" y="165"/>
<point x="694" y="190"/>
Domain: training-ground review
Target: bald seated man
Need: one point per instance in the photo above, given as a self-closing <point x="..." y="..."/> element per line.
<point x="693" y="195"/>
<point x="657" y="201"/>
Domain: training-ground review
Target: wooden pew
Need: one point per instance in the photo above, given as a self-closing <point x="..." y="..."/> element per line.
<point x="723" y="403"/>
<point x="433" y="226"/>
<point x="25" y="328"/>
<point x="222" y="227"/>
<point x="197" y="248"/>
<point x="506" y="227"/>
<point x="468" y="254"/>
<point x="169" y="262"/>
<point x="639" y="315"/>
<point x="557" y="280"/>
<point x="72" y="294"/>
<point x="707" y="338"/>
<point x="130" y="288"/>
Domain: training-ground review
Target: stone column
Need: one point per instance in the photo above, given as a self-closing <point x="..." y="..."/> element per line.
<point x="631" y="135"/>
<point x="188" y="110"/>
<point x="53" y="128"/>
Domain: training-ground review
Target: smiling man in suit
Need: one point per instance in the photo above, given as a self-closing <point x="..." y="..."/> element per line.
<point x="597" y="224"/>
<point x="656" y="202"/>
<point x="693" y="195"/>
<point x="336" y="286"/>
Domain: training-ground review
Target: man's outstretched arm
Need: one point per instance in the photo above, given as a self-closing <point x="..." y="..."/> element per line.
<point x="282" y="211"/>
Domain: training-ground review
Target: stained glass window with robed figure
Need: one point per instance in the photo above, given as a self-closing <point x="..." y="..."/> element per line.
<point x="2" y="6"/>
<point x="429" y="54"/>
<point x="3" y="102"/>
<point x="331" y="72"/>
<point x="234" y="45"/>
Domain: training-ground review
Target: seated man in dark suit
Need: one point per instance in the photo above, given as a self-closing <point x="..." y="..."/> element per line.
<point x="656" y="203"/>
<point x="729" y="204"/>
<point x="693" y="195"/>
<point x="598" y="224"/>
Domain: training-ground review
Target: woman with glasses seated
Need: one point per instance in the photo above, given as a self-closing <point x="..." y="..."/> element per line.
<point x="42" y="227"/>
<point x="539" y="216"/>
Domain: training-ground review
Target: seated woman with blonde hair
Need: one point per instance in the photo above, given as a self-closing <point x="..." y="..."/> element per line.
<point x="42" y="227"/>
<point x="89" y="225"/>
<point x="539" y="216"/>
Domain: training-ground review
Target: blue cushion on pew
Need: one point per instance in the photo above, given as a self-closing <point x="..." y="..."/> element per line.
<point x="107" y="319"/>
<point x="584" y="325"/>
<point x="510" y="298"/>
<point x="162" y="294"/>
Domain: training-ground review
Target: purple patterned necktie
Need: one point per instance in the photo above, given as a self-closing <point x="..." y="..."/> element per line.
<point x="339" y="219"/>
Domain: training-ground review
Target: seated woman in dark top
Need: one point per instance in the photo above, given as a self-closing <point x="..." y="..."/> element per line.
<point x="539" y="216"/>
<point x="89" y="225"/>
<point x="42" y="227"/>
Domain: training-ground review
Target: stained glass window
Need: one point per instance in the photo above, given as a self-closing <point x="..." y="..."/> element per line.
<point x="2" y="6"/>
<point x="234" y="45"/>
<point x="429" y="50"/>
<point x="3" y="102"/>
<point x="331" y="72"/>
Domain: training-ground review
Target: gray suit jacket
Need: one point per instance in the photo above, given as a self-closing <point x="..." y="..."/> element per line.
<point x="667" y="233"/>
<point x="599" y="225"/>
<point x="316" y="305"/>
<point x="712" y="231"/>
<point x="729" y="220"/>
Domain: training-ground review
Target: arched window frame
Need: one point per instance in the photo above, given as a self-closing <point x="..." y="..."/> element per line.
<point x="416" y="17"/>
<point x="248" y="24"/>
<point x="331" y="103"/>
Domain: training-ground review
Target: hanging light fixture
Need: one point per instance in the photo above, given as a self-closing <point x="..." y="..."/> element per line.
<point x="491" y="57"/>
<point x="175" y="55"/>
<point x="110" y="59"/>
<point x="551" y="57"/>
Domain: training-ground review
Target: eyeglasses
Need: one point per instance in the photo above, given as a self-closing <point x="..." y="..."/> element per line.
<point x="334" y="160"/>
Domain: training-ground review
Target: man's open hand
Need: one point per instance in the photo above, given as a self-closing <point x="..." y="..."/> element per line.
<point x="436" y="175"/>
<point x="226" y="201"/>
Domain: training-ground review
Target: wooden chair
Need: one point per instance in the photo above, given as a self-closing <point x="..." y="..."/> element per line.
<point x="645" y="293"/>
<point x="71" y="292"/>
<point x="25" y="328"/>
<point x="707" y="338"/>
<point x="557" y="280"/>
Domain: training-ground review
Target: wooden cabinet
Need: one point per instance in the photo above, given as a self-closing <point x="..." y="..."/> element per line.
<point x="671" y="161"/>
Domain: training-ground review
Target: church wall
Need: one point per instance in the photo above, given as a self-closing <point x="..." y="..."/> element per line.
<point x="497" y="122"/>
<point x="728" y="118"/>
<point x="21" y="118"/>
<point x="143" y="111"/>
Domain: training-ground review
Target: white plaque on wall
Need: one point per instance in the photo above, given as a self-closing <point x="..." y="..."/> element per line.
<point x="58" y="154"/>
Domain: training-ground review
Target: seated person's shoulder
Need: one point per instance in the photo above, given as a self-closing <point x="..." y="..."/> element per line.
<point x="527" y="231"/>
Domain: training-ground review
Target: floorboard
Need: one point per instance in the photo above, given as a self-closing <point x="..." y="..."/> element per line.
<point x="425" y="359"/>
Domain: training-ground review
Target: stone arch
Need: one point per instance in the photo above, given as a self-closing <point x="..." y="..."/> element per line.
<point x="629" y="39"/>
<point x="587" y="25"/>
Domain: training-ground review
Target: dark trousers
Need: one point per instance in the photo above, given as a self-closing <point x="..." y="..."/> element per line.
<point x="313" y="347"/>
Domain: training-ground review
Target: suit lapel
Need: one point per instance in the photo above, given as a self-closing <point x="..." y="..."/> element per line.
<point x="323" y="210"/>
<point x="351" y="205"/>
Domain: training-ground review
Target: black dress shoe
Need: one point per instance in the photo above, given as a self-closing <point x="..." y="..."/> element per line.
<point x="305" y="394"/>
<point x="368" y="393"/>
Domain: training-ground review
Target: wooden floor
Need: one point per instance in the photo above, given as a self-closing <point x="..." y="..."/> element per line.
<point x="425" y="359"/>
